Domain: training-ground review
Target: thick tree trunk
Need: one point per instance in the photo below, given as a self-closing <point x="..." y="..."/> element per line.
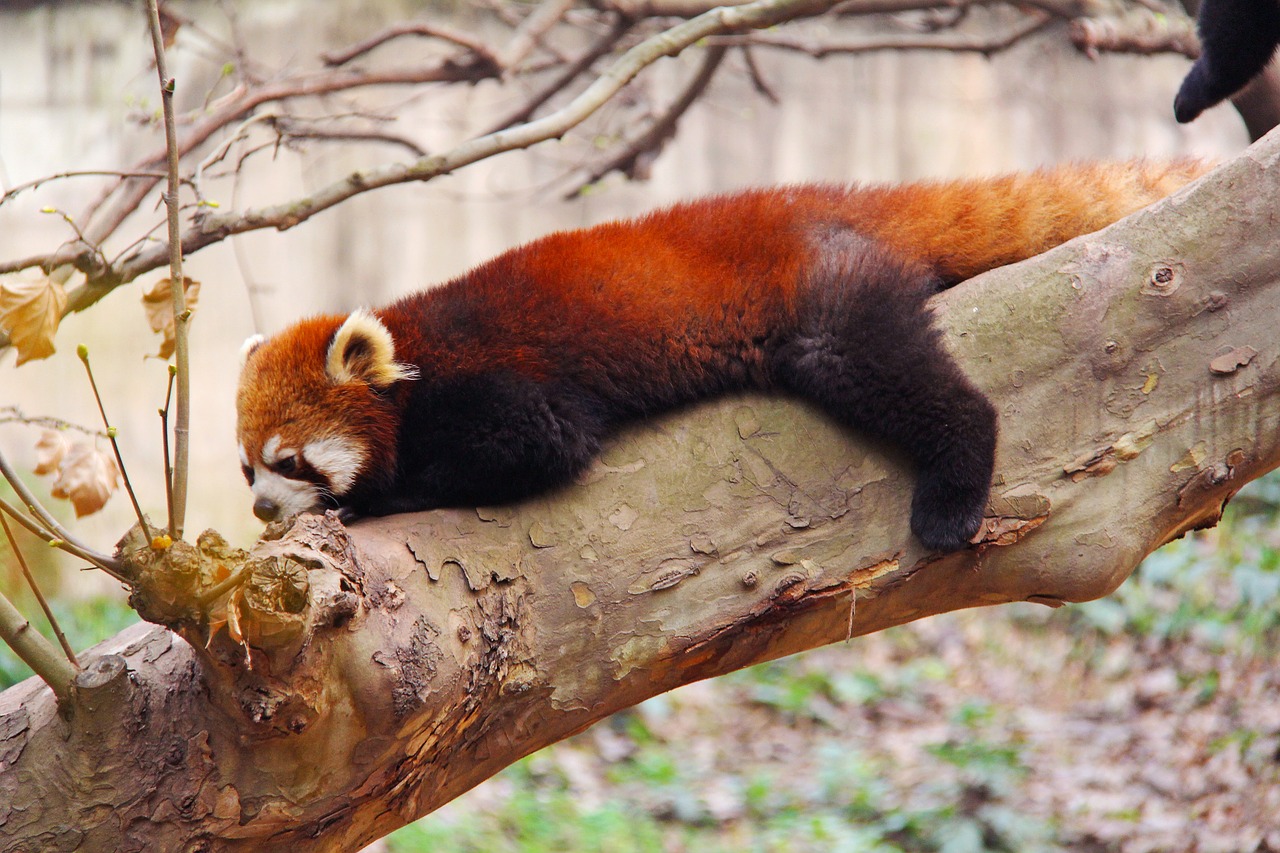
<point x="397" y="664"/>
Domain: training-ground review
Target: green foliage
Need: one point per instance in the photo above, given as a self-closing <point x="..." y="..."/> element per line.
<point x="85" y="622"/>
<point x="1221" y="587"/>
<point x="539" y="814"/>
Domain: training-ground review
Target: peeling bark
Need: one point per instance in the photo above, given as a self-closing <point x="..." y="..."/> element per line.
<point x="387" y="668"/>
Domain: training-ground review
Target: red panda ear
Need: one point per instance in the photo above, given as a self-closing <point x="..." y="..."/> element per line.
<point x="249" y="347"/>
<point x="363" y="350"/>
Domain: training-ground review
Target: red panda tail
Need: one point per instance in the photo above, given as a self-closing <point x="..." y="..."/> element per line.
<point x="966" y="227"/>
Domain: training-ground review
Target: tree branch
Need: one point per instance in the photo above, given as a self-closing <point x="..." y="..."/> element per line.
<point x="214" y="227"/>
<point x="986" y="44"/>
<point x="1138" y="31"/>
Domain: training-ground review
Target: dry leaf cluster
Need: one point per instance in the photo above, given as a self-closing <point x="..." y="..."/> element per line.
<point x="30" y="309"/>
<point x="83" y="474"/>
<point x="159" y="307"/>
<point x="31" y="306"/>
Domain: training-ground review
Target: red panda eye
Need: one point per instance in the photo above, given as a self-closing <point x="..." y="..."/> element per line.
<point x="287" y="465"/>
<point x="248" y="473"/>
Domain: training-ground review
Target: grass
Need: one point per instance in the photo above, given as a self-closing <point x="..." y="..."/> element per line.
<point x="85" y="622"/>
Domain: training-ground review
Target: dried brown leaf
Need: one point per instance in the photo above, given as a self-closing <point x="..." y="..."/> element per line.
<point x="87" y="477"/>
<point x="50" y="449"/>
<point x="234" y="630"/>
<point x="158" y="304"/>
<point x="30" y="310"/>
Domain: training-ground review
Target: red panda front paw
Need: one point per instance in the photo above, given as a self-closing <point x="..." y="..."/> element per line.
<point x="348" y="514"/>
<point x="945" y="516"/>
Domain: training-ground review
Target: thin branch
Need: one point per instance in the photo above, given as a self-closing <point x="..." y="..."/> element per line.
<point x="479" y="49"/>
<point x="14" y="415"/>
<point x="240" y="103"/>
<point x="31" y="526"/>
<point x="950" y="42"/>
<point x="93" y="248"/>
<point x="650" y="142"/>
<point x="35" y="651"/>
<point x="530" y="32"/>
<point x="164" y="442"/>
<point x="49" y="529"/>
<point x="557" y="84"/>
<point x="289" y="129"/>
<point x="79" y="173"/>
<point x="218" y="153"/>
<point x="758" y="82"/>
<point x="35" y="589"/>
<point x="1138" y="31"/>
<point x="83" y="352"/>
<point x="181" y="316"/>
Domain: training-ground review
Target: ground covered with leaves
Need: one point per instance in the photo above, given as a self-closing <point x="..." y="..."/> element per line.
<point x="1149" y="721"/>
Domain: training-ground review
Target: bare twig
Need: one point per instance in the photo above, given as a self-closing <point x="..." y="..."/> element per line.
<point x="950" y="41"/>
<point x="164" y="442"/>
<point x="650" y="142"/>
<point x="530" y="32"/>
<point x="240" y="133"/>
<point x="291" y="129"/>
<point x="14" y="415"/>
<point x="83" y="352"/>
<point x="126" y="195"/>
<point x="757" y="78"/>
<point x="78" y="173"/>
<point x="35" y="589"/>
<point x="571" y="72"/>
<point x="181" y="316"/>
<point x="53" y="533"/>
<point x="478" y="48"/>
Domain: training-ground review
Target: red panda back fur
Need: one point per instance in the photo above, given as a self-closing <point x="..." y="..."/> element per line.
<point x="523" y="364"/>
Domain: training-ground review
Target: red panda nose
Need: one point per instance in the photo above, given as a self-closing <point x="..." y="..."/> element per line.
<point x="265" y="509"/>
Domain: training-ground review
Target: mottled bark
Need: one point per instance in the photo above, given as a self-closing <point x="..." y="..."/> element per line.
<point x="399" y="663"/>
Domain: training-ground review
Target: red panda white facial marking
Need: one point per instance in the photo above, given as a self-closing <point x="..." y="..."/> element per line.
<point x="339" y="460"/>
<point x="286" y="481"/>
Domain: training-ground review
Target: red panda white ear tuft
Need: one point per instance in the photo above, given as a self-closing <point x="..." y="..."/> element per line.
<point x="249" y="346"/>
<point x="363" y="350"/>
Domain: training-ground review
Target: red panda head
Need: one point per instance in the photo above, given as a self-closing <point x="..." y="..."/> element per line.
<point x="313" y="418"/>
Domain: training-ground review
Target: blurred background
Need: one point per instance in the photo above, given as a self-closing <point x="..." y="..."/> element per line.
<point x="1146" y="721"/>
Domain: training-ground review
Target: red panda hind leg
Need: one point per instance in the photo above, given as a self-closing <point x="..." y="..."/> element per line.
<point x="867" y="352"/>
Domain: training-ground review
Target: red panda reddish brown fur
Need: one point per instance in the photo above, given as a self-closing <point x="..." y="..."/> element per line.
<point x="502" y="382"/>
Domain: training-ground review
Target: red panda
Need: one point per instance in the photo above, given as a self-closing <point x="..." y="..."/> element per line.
<point x="503" y="382"/>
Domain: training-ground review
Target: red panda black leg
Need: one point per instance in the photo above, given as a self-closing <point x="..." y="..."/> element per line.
<point x="866" y="351"/>
<point x="487" y="438"/>
<point x="1238" y="39"/>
